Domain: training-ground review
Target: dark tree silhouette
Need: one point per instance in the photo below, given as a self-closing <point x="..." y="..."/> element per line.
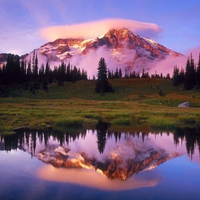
<point x="190" y="74"/>
<point x="102" y="84"/>
<point x="198" y="73"/>
<point x="29" y="72"/>
<point x="102" y="128"/>
<point x="178" y="76"/>
<point x="35" y="64"/>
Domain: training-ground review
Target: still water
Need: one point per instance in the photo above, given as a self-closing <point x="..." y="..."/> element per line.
<point x="99" y="164"/>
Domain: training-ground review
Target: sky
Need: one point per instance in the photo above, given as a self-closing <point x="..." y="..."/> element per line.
<point x="28" y="24"/>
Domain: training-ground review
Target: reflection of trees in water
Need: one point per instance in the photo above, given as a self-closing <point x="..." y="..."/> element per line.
<point x="191" y="136"/>
<point x="101" y="128"/>
<point x="31" y="138"/>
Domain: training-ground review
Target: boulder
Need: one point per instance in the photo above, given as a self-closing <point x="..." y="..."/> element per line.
<point x="184" y="105"/>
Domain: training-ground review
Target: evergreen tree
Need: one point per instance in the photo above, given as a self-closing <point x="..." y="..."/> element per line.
<point x="187" y="76"/>
<point x="126" y="75"/>
<point x="12" y="69"/>
<point x="23" y="68"/>
<point x="101" y="128"/>
<point x="181" y="76"/>
<point x="168" y="76"/>
<point x="47" y="69"/>
<point x="193" y="72"/>
<point x="190" y="74"/>
<point x="74" y="74"/>
<point x="117" y="73"/>
<point x="68" y="72"/>
<point x="84" y="75"/>
<point x="1" y="75"/>
<point x="176" y="80"/>
<point x="133" y="74"/>
<point x="120" y="73"/>
<point x="198" y="73"/>
<point x="22" y="71"/>
<point x="144" y="74"/>
<point x="41" y="71"/>
<point x="109" y="74"/>
<point x="102" y="84"/>
<point x="16" y="69"/>
<point x="61" y="74"/>
<point x="29" y="72"/>
<point x="35" y="64"/>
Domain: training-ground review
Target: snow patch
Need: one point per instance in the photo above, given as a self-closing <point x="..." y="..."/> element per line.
<point x="150" y="40"/>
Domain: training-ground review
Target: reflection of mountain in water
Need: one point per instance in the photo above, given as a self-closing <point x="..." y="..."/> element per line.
<point x="118" y="163"/>
<point x="115" y="154"/>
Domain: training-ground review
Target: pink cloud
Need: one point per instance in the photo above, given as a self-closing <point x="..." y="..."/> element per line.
<point x="95" y="179"/>
<point x="95" y="29"/>
<point x="167" y="65"/>
<point x="195" y="53"/>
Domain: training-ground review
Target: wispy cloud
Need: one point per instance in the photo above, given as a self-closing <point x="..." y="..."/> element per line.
<point x="97" y="28"/>
<point x="195" y="53"/>
<point x="167" y="65"/>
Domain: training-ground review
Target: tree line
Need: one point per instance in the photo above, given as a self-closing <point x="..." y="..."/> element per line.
<point x="188" y="77"/>
<point x="102" y="84"/>
<point x="17" y="71"/>
<point x="133" y="74"/>
<point x="31" y="137"/>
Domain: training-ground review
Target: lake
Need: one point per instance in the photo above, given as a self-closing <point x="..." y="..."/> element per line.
<point x="99" y="164"/>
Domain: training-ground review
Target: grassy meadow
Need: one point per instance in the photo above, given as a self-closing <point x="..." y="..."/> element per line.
<point x="141" y="104"/>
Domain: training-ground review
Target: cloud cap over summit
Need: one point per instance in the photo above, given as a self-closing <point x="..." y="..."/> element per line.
<point x="97" y="28"/>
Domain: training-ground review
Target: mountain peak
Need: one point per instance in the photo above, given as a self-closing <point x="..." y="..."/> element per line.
<point x="120" y="33"/>
<point x="124" y="48"/>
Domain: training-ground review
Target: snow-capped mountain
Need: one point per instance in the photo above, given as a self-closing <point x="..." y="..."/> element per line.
<point x="117" y="166"/>
<point x="120" y="48"/>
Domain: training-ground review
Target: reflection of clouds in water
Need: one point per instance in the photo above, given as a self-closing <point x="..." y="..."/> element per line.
<point x="136" y="148"/>
<point x="127" y="147"/>
<point x="120" y="160"/>
<point x="91" y="178"/>
<point x="166" y="141"/>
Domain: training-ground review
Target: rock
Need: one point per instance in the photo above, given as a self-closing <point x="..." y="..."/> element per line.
<point x="184" y="105"/>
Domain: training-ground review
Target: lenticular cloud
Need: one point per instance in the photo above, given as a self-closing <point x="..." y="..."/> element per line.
<point x="97" y="28"/>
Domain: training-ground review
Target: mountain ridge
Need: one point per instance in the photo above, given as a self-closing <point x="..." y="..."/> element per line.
<point x="121" y="48"/>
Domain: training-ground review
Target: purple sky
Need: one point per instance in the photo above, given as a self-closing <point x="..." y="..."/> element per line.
<point x="28" y="24"/>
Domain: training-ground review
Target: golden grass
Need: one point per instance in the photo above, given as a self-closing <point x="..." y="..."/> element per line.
<point x="136" y="102"/>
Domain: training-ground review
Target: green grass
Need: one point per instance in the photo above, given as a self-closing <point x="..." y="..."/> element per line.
<point x="69" y="122"/>
<point x="121" y="121"/>
<point x="135" y="102"/>
<point x="161" y="122"/>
